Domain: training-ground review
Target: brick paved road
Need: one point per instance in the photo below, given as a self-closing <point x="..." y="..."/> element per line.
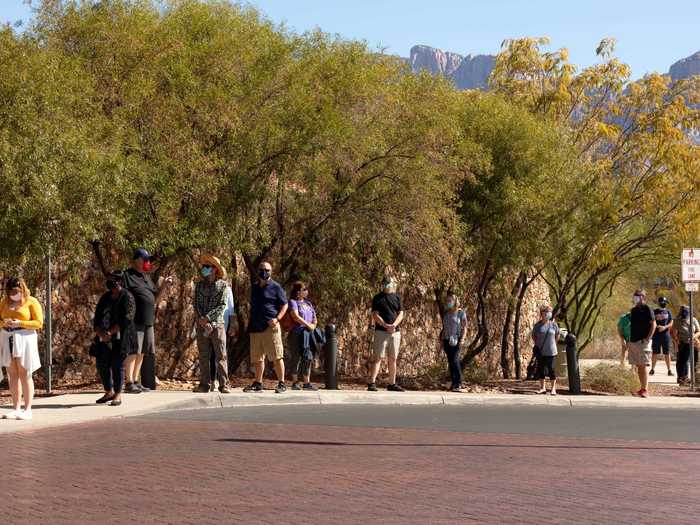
<point x="160" y="471"/>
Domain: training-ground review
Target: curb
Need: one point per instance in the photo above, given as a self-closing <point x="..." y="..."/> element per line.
<point x="337" y="398"/>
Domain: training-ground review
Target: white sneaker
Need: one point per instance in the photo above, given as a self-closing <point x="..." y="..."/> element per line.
<point x="554" y="392"/>
<point x="11" y="415"/>
<point x="25" y="415"/>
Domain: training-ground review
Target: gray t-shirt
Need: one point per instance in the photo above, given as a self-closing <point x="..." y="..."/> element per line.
<point x="546" y="335"/>
<point x="452" y="324"/>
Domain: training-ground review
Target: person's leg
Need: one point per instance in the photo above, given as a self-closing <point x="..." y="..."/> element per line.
<point x="450" y="352"/>
<point x="623" y="353"/>
<point x="667" y="352"/>
<point x="643" y="378"/>
<point x="294" y="356"/>
<point x="552" y="374"/>
<point x="541" y="363"/>
<point x="392" y="353"/>
<point x="102" y="365"/>
<point x="654" y="357"/>
<point x="682" y="361"/>
<point x="212" y="368"/>
<point x="13" y="381"/>
<point x="117" y="366"/>
<point x="274" y="350"/>
<point x="257" y="356"/>
<point x="27" y="382"/>
<point x="374" y="367"/>
<point x="129" y="364"/>
<point x="259" y="370"/>
<point x="218" y="342"/>
<point x="379" y="344"/>
<point x="279" y="369"/>
<point x="204" y="347"/>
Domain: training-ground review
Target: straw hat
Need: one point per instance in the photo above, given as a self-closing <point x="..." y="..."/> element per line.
<point x="210" y="260"/>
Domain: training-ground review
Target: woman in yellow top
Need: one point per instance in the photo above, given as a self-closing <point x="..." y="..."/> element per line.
<point x="20" y="317"/>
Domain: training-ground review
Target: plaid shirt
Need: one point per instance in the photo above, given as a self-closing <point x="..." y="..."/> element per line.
<point x="210" y="300"/>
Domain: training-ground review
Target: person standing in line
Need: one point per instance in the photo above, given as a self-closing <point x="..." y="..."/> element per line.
<point x="661" y="341"/>
<point x="21" y="316"/>
<point x="642" y="328"/>
<point x="146" y="295"/>
<point x="623" y="330"/>
<point x="268" y="305"/>
<point x="387" y="314"/>
<point x="115" y="336"/>
<point x="454" y="325"/>
<point x="230" y="332"/>
<point x="209" y="306"/>
<point x="299" y="340"/>
<point x="545" y="335"/>
<point x="681" y="337"/>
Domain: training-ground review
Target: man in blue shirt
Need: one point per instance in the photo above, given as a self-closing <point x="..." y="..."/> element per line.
<point x="661" y="342"/>
<point x="268" y="304"/>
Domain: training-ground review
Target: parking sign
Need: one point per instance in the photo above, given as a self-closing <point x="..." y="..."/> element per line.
<point x="690" y="265"/>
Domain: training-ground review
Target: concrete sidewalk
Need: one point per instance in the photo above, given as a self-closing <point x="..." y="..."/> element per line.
<point x="81" y="408"/>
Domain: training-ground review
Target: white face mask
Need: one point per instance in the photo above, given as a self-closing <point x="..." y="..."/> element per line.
<point x="636" y="299"/>
<point x="16" y="297"/>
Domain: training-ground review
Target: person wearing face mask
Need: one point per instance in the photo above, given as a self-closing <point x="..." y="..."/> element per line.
<point x="21" y="316"/>
<point x="454" y="324"/>
<point x="387" y="314"/>
<point x="115" y="336"/>
<point x="643" y="325"/>
<point x="681" y="337"/>
<point x="268" y="305"/>
<point x="299" y="340"/>
<point x="545" y="335"/>
<point x="146" y="295"/>
<point x="209" y="306"/>
<point x="661" y="341"/>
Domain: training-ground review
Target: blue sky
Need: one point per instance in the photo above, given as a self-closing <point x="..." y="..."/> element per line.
<point x="650" y="35"/>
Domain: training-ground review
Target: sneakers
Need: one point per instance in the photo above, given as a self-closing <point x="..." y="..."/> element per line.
<point x="455" y="389"/>
<point x="372" y="387"/>
<point x="11" y="415"/>
<point x="642" y="393"/>
<point x="281" y="388"/>
<point x="296" y="386"/>
<point x="554" y="391"/>
<point x="542" y="391"/>
<point x="309" y="386"/>
<point x="104" y="399"/>
<point x="212" y="387"/>
<point x="395" y="388"/>
<point x="225" y="390"/>
<point x="25" y="415"/>
<point x="132" y="388"/>
<point x="115" y="402"/>
<point x="142" y="388"/>
<point x="255" y="387"/>
<point x="651" y="372"/>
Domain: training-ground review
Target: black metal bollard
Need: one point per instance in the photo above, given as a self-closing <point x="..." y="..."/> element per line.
<point x="331" y="351"/>
<point x="572" y="365"/>
<point x="148" y="371"/>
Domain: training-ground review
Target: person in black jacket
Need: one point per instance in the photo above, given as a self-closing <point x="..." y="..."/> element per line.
<point x="115" y="336"/>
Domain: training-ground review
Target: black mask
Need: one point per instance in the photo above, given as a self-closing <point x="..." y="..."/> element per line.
<point x="264" y="274"/>
<point x="110" y="284"/>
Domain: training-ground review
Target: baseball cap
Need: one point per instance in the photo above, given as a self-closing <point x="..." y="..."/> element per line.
<point x="141" y="253"/>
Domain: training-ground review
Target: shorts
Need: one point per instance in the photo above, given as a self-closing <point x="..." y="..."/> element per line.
<point x="639" y="352"/>
<point x="385" y="344"/>
<point x="267" y="344"/>
<point x="545" y="367"/>
<point x="661" y="343"/>
<point x="146" y="341"/>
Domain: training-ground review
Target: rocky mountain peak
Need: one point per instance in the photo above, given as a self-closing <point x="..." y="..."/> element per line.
<point x="467" y="72"/>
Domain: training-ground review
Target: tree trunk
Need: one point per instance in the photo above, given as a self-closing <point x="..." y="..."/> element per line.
<point x="505" y="334"/>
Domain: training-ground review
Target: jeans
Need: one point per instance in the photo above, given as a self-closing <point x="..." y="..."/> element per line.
<point x="682" y="365"/>
<point x="301" y="358"/>
<point x="453" y="364"/>
<point x="110" y="365"/>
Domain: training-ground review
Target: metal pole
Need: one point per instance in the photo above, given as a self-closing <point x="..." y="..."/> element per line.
<point x="572" y="365"/>
<point x="331" y="349"/>
<point x="47" y="324"/>
<point x="690" y="342"/>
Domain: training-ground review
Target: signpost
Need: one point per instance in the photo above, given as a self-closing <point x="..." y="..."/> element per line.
<point x="690" y="271"/>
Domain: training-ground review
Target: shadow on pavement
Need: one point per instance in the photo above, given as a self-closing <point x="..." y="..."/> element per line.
<point x="469" y="445"/>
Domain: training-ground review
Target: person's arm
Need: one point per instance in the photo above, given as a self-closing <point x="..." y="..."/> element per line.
<point x="298" y="319"/>
<point x="463" y="327"/>
<point x="37" y="316"/>
<point x="398" y="320"/>
<point x="280" y="315"/>
<point x="557" y="334"/>
<point x="653" y="328"/>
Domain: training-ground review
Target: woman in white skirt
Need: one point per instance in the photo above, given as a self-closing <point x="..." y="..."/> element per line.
<point x="20" y="317"/>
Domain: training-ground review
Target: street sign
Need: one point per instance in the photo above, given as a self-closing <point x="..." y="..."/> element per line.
<point x="690" y="265"/>
<point x="692" y="287"/>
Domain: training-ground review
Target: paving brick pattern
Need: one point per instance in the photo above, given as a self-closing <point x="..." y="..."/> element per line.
<point x="186" y="472"/>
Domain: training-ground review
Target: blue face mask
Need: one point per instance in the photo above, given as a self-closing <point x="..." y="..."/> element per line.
<point x="548" y="315"/>
<point x="207" y="271"/>
<point x="450" y="305"/>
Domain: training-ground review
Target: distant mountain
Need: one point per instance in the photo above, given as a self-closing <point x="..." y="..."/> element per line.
<point x="468" y="72"/>
<point x="686" y="67"/>
<point x="472" y="71"/>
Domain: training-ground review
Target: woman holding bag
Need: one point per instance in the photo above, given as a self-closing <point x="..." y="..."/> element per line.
<point x="21" y="316"/>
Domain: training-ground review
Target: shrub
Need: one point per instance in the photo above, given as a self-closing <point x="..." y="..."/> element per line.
<point x="475" y="375"/>
<point x="613" y="378"/>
